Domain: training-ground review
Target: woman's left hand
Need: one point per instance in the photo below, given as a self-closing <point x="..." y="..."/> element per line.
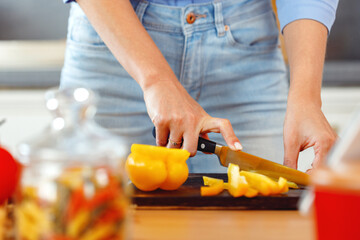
<point x="306" y="126"/>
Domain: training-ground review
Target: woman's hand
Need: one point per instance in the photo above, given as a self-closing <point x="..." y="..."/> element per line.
<point x="306" y="126"/>
<point x="178" y="118"/>
<point x="175" y="114"/>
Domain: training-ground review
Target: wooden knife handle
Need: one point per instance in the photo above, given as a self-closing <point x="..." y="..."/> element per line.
<point x="204" y="145"/>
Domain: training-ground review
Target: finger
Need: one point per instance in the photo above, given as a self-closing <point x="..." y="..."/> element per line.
<point x="204" y="135"/>
<point x="190" y="142"/>
<point x="291" y="154"/>
<point x="175" y="139"/>
<point x="224" y="127"/>
<point x="162" y="134"/>
<point x="320" y="149"/>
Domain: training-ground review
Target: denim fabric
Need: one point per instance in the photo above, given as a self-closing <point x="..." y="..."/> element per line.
<point x="228" y="60"/>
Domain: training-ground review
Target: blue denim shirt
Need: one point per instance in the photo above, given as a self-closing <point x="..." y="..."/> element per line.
<point x="288" y="10"/>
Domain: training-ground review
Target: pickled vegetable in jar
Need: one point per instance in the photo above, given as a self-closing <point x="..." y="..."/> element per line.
<point x="72" y="183"/>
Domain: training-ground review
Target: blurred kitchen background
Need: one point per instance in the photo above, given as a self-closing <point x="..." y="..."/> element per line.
<point x="32" y="44"/>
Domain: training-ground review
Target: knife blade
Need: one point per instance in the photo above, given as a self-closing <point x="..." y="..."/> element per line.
<point x="250" y="162"/>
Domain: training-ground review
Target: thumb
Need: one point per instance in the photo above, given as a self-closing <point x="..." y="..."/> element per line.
<point x="291" y="154"/>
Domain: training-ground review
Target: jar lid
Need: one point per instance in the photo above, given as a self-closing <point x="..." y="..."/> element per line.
<point x="72" y="135"/>
<point x="345" y="177"/>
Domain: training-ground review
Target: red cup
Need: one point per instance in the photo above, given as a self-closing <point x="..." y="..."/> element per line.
<point x="337" y="204"/>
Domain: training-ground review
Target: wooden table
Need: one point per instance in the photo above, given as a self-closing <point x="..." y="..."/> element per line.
<point x="220" y="224"/>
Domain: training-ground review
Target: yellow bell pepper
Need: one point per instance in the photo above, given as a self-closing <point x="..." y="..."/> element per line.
<point x="151" y="167"/>
<point x="146" y="173"/>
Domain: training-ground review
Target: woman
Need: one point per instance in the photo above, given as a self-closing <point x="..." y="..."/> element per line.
<point x="191" y="67"/>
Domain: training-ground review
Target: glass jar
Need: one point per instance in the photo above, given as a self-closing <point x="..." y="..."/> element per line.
<point x="337" y="201"/>
<point x="72" y="183"/>
<point x="336" y="187"/>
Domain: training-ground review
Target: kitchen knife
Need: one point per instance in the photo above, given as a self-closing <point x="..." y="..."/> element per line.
<point x="250" y="162"/>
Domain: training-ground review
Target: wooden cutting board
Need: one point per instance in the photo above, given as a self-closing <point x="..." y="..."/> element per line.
<point x="188" y="197"/>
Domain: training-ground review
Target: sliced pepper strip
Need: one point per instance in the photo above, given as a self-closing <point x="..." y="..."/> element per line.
<point x="212" y="190"/>
<point x="283" y="185"/>
<point x="247" y="183"/>
<point x="59" y="237"/>
<point x="102" y="196"/>
<point x="78" y="224"/>
<point x="209" y="181"/>
<point x="251" y="192"/>
<point x="292" y="185"/>
<point x="237" y="184"/>
<point x="76" y="202"/>
<point x="289" y="183"/>
<point x="260" y="182"/>
<point x="103" y="231"/>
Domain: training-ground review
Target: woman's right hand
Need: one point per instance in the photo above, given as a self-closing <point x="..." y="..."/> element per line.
<point x="179" y="118"/>
<point x="175" y="114"/>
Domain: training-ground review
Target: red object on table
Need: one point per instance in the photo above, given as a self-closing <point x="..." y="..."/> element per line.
<point x="337" y="214"/>
<point x="337" y="202"/>
<point x="9" y="175"/>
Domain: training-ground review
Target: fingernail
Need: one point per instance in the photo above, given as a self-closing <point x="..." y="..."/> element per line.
<point x="238" y="146"/>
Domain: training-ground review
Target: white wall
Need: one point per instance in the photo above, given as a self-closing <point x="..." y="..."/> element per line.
<point x="339" y="105"/>
<point x="25" y="114"/>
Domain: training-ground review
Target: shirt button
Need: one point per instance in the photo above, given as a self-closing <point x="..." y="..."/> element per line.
<point x="190" y="18"/>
